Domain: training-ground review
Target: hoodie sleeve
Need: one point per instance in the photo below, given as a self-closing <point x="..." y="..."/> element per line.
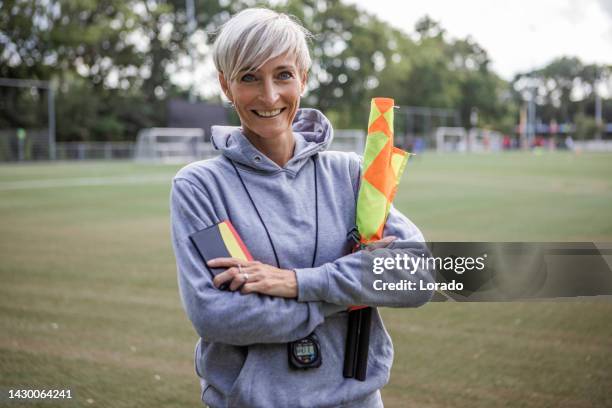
<point x="223" y="316"/>
<point x="348" y="280"/>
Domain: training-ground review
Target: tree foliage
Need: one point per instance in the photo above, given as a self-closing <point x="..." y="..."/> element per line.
<point x="565" y="90"/>
<point x="113" y="62"/>
<point x="108" y="59"/>
<point x="357" y="56"/>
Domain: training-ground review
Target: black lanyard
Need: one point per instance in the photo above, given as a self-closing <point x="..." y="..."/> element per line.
<point x="314" y="255"/>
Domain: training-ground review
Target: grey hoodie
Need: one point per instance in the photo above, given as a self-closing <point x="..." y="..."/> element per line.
<point x="241" y="357"/>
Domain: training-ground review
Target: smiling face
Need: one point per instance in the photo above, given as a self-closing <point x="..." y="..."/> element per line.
<point x="267" y="99"/>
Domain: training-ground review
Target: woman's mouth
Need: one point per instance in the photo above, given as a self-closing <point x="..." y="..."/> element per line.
<point x="268" y="113"/>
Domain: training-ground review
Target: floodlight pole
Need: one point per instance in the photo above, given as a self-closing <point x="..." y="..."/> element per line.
<point x="191" y="26"/>
<point x="51" y="110"/>
<point x="33" y="83"/>
<point x="598" y="119"/>
<point x="531" y="116"/>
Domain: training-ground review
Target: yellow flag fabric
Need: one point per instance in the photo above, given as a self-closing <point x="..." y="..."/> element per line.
<point x="383" y="165"/>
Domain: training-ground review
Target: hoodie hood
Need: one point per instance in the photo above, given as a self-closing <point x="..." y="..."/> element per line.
<point x="312" y="131"/>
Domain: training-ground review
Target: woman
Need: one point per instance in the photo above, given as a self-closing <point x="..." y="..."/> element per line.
<point x="293" y="204"/>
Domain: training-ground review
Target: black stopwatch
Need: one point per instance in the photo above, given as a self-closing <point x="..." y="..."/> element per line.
<point x="305" y="353"/>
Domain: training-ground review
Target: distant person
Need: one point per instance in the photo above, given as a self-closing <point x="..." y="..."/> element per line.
<point x="569" y="143"/>
<point x="539" y="141"/>
<point x="552" y="143"/>
<point x="506" y="143"/>
<point x="419" y="145"/>
<point x="293" y="203"/>
<point x="486" y="141"/>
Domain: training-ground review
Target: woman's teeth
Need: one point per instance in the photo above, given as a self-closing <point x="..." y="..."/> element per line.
<point x="268" y="114"/>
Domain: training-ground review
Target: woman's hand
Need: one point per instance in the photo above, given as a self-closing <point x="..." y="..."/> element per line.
<point x="255" y="276"/>
<point x="383" y="243"/>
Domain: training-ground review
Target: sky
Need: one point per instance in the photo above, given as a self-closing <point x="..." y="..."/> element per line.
<point x="518" y="35"/>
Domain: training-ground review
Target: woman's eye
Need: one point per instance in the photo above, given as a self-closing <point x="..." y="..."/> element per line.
<point x="248" y="78"/>
<point x="285" y="75"/>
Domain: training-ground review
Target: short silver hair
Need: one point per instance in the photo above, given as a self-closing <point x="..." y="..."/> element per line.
<point x="256" y="35"/>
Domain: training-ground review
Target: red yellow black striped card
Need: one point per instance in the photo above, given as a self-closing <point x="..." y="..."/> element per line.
<point x="220" y="241"/>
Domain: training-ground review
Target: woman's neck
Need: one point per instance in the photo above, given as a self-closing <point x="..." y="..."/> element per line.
<point x="278" y="149"/>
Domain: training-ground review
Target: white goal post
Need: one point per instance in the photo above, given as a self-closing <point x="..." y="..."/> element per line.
<point x="457" y="139"/>
<point x="180" y="145"/>
<point x="451" y="139"/>
<point x="171" y="145"/>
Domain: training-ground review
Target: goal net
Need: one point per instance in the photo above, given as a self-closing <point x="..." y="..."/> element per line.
<point x="172" y="145"/>
<point x="451" y="139"/>
<point x="348" y="140"/>
<point x="457" y="139"/>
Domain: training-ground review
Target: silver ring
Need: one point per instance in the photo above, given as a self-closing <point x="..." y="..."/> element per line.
<point x="245" y="276"/>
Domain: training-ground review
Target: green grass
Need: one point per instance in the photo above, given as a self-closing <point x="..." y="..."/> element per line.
<point x="89" y="300"/>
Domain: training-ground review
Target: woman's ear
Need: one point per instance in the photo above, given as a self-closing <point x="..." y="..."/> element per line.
<point x="225" y="86"/>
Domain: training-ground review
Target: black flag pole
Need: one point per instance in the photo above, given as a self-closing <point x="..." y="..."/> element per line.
<point x="357" y="343"/>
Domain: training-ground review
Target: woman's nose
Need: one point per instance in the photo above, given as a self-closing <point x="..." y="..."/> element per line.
<point x="269" y="94"/>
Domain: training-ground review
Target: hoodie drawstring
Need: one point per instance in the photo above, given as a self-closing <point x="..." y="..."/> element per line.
<point x="316" y="191"/>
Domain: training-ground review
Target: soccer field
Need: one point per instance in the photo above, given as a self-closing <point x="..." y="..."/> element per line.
<point x="89" y="299"/>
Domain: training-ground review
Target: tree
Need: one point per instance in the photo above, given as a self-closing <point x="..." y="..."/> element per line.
<point x="350" y="48"/>
<point x="565" y="90"/>
<point x="110" y="51"/>
<point x="439" y="72"/>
